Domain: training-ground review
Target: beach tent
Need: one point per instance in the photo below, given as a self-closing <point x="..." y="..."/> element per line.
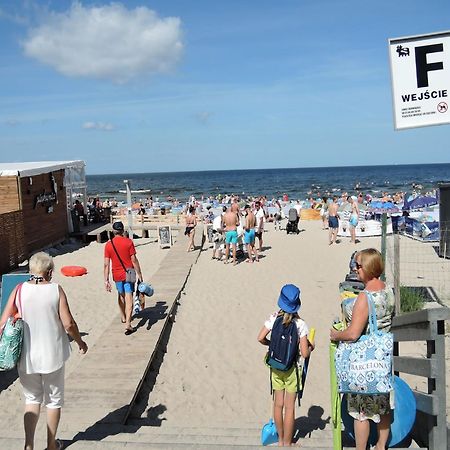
<point x="422" y="225"/>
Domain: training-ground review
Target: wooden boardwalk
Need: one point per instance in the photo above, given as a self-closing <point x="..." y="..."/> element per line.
<point x="102" y="232"/>
<point x="102" y="391"/>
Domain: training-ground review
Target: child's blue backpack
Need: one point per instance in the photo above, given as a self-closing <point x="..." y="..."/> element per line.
<point x="283" y="347"/>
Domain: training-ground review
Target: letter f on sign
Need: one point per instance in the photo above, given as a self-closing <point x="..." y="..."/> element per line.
<point x="422" y="67"/>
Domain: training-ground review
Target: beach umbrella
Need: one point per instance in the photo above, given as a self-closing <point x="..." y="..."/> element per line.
<point x="420" y="202"/>
<point x="379" y="207"/>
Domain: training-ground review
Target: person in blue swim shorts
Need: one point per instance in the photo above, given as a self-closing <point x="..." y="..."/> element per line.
<point x="333" y="220"/>
<point x="120" y="256"/>
<point x="353" y="222"/>
<point x="230" y="222"/>
<point x="249" y="234"/>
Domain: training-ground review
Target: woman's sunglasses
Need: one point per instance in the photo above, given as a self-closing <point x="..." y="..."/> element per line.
<point x="358" y="266"/>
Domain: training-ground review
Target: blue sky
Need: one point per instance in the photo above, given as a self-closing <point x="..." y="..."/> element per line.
<point x="151" y="86"/>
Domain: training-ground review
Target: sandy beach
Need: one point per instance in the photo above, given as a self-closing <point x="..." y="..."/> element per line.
<point x="213" y="373"/>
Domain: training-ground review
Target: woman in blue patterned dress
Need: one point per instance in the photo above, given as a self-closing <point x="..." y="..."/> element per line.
<point x="369" y="266"/>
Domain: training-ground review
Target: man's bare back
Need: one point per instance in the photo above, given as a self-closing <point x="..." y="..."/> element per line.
<point x="230" y="220"/>
<point x="332" y="209"/>
<point x="250" y="221"/>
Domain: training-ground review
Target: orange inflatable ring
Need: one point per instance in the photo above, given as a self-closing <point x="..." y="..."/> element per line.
<point x="73" y="271"/>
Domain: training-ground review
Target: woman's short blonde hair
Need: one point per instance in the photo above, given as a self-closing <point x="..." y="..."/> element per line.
<point x="371" y="262"/>
<point x="40" y="263"/>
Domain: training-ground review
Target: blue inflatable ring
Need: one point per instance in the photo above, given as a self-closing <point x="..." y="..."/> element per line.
<point x="404" y="415"/>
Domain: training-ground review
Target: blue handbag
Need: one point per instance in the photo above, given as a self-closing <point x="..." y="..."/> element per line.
<point x="365" y="366"/>
<point x="11" y="339"/>
<point x="269" y="434"/>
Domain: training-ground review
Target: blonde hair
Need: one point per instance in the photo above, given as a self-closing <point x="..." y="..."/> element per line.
<point x="40" y="263"/>
<point x="287" y="317"/>
<point x="371" y="262"/>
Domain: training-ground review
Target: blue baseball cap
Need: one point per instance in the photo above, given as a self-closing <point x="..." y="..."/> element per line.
<point x="289" y="299"/>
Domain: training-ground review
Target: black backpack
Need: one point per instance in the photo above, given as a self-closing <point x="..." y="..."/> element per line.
<point x="283" y="347"/>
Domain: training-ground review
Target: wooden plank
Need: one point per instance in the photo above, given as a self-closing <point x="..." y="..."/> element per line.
<point x="427" y="403"/>
<point x="425" y="315"/>
<point x="424" y="367"/>
<point x="421" y="333"/>
<point x="9" y="193"/>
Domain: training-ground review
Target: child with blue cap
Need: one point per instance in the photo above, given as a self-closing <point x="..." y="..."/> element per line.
<point x="284" y="324"/>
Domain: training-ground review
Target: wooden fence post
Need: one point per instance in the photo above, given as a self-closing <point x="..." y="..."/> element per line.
<point x="398" y="306"/>
<point x="383" y="243"/>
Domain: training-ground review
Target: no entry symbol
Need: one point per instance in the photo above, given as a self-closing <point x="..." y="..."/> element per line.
<point x="442" y="107"/>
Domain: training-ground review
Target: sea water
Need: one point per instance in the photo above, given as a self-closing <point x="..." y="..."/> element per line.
<point x="297" y="183"/>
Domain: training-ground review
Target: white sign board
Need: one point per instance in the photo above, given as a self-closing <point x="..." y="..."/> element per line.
<point x="420" y="72"/>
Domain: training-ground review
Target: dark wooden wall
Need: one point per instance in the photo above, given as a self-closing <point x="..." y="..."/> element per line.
<point x="9" y="194"/>
<point x="44" y="228"/>
<point x="13" y="249"/>
<point x="26" y="227"/>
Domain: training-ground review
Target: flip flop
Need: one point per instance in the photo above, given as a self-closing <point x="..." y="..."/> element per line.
<point x="129" y="331"/>
<point x="59" y="444"/>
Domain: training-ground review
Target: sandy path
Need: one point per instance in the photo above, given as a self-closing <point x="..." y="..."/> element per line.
<point x="213" y="372"/>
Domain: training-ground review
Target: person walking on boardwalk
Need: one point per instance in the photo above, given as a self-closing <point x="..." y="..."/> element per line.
<point x="120" y="254"/>
<point x="230" y="222"/>
<point x="284" y="325"/>
<point x="47" y="318"/>
<point x="191" y="222"/>
<point x="333" y="220"/>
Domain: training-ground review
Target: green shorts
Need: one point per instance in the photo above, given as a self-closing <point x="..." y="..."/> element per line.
<point x="286" y="380"/>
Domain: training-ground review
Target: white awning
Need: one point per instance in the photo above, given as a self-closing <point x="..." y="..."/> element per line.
<point x="29" y="169"/>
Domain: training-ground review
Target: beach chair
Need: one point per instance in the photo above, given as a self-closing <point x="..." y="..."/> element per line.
<point x="9" y="282"/>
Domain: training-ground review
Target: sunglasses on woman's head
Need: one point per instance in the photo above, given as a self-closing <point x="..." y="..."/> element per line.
<point x="358" y="265"/>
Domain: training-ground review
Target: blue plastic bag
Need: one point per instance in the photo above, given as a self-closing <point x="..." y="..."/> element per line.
<point x="269" y="434"/>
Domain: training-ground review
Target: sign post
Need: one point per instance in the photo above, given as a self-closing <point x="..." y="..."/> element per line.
<point x="129" y="213"/>
<point x="420" y="75"/>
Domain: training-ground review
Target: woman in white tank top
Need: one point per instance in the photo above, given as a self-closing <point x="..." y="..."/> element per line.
<point x="47" y="321"/>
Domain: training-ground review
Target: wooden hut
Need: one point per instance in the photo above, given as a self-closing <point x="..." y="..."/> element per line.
<point x="35" y="202"/>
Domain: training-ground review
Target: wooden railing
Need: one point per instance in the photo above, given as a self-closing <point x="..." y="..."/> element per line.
<point x="428" y="325"/>
<point x="140" y="219"/>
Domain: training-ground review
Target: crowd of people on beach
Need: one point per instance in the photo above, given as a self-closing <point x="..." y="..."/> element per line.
<point x="239" y="223"/>
<point x="234" y="229"/>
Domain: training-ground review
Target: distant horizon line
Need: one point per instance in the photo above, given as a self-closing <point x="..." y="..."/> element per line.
<point x="270" y="168"/>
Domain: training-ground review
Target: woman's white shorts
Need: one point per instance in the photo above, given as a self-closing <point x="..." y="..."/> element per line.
<point x="47" y="388"/>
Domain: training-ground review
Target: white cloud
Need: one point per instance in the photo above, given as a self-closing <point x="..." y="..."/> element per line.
<point x="102" y="126"/>
<point x="107" y="42"/>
